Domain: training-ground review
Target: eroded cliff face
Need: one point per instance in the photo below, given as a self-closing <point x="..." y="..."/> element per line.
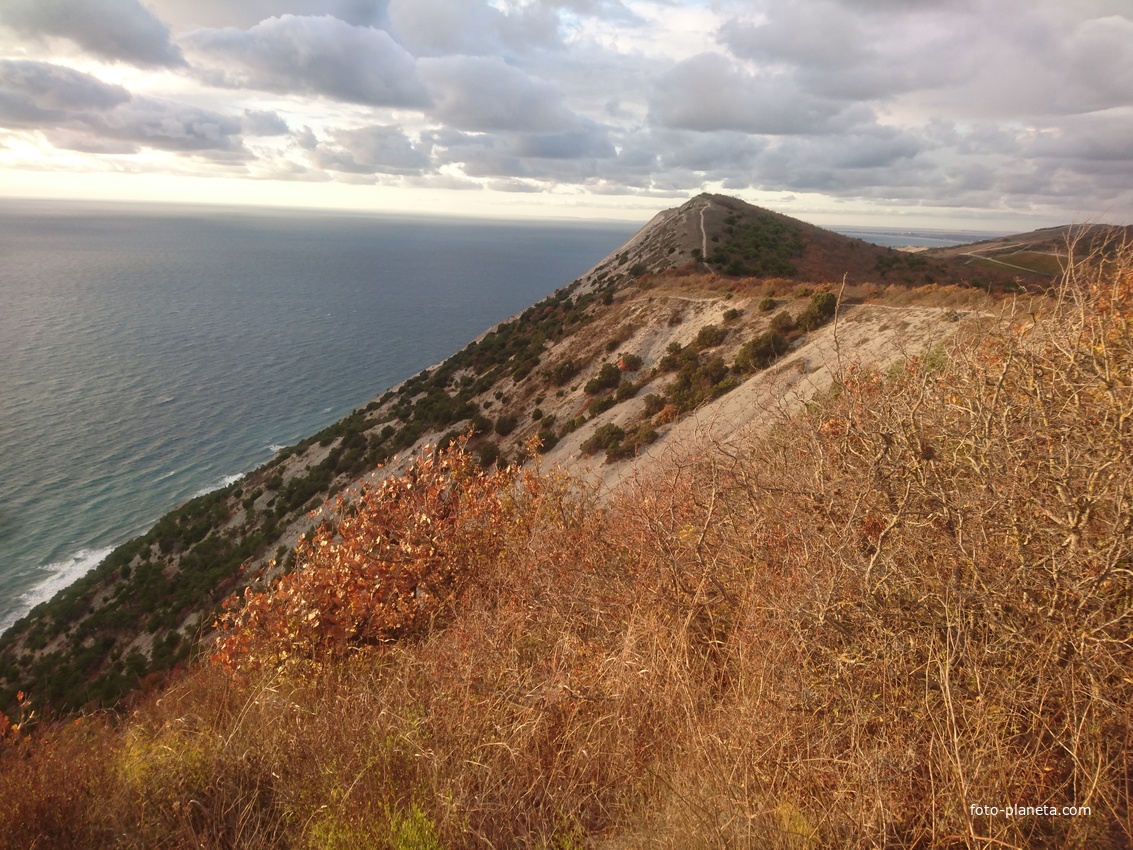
<point x="715" y="319"/>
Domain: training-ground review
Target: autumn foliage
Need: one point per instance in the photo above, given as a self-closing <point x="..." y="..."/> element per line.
<point x="386" y="566"/>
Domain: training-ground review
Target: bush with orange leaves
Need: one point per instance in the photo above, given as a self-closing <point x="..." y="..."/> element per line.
<point x="386" y="566"/>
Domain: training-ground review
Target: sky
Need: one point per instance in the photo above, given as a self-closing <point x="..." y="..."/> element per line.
<point x="983" y="114"/>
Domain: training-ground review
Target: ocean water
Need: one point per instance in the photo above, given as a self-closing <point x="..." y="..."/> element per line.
<point x="150" y="354"/>
<point x="898" y="237"/>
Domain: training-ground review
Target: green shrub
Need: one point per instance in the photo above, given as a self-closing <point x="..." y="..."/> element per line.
<point x="767" y="305"/>
<point x="782" y="322"/>
<point x="562" y="372"/>
<point x="629" y="362"/>
<point x="819" y="311"/>
<point x="609" y="376"/>
<point x="600" y="404"/>
<point x="654" y="404"/>
<point x="604" y="437"/>
<point x="709" y="336"/>
<point x="762" y="351"/>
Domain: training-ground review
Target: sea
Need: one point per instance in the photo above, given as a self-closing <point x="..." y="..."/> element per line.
<point x="151" y="353"/>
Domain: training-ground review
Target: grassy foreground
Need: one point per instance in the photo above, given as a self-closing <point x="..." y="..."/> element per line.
<point x="908" y="604"/>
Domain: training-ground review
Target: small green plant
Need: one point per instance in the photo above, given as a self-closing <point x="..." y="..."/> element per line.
<point x="412" y="830"/>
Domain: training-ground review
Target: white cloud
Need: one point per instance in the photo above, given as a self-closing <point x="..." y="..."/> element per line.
<point x="372" y="150"/>
<point x="311" y="55"/>
<point x="122" y="30"/>
<point x="79" y="112"/>
<point x="473" y="93"/>
<point x="711" y="92"/>
<point x="471" y="27"/>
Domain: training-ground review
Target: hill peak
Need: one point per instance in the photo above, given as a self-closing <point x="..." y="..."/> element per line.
<point x="728" y="237"/>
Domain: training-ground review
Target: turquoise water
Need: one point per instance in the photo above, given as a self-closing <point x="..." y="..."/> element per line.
<point x="150" y="354"/>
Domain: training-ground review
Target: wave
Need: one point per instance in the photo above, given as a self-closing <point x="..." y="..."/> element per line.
<point x="62" y="574"/>
<point x="275" y="448"/>
<point x="219" y="485"/>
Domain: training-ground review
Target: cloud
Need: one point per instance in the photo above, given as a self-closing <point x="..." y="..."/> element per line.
<point x="372" y="150"/>
<point x="524" y="156"/>
<point x="79" y="112"/>
<point x="35" y="92"/>
<point x="311" y="55"/>
<point x="119" y="30"/>
<point x="970" y="58"/>
<point x="472" y="27"/>
<point x="166" y="125"/>
<point x="186" y="15"/>
<point x="1000" y="103"/>
<point x="472" y="93"/>
<point x="712" y="92"/>
<point x="264" y="123"/>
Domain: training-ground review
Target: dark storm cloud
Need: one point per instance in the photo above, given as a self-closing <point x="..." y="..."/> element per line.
<point x="119" y="30"/>
<point x="372" y="150"/>
<point x="311" y="55"/>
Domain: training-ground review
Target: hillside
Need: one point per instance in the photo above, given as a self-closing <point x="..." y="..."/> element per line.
<point x="860" y="606"/>
<point x="710" y="314"/>
<point x="1040" y="253"/>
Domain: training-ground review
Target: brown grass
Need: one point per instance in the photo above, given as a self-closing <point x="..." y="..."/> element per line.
<point x="912" y="599"/>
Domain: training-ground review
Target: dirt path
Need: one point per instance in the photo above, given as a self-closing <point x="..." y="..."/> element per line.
<point x="999" y="263"/>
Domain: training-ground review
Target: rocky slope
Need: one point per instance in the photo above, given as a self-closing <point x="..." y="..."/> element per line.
<point x="714" y="319"/>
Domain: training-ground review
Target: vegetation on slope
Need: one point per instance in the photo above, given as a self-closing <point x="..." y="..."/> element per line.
<point x="911" y="601"/>
<point x="144" y="611"/>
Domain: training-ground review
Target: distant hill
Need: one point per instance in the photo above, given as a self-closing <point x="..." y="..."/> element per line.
<point x="1041" y="252"/>
<point x="735" y="239"/>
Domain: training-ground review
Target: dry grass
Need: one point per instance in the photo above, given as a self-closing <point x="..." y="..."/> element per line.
<point x="912" y="599"/>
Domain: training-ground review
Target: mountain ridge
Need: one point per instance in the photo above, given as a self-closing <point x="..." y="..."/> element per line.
<point x="607" y="372"/>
